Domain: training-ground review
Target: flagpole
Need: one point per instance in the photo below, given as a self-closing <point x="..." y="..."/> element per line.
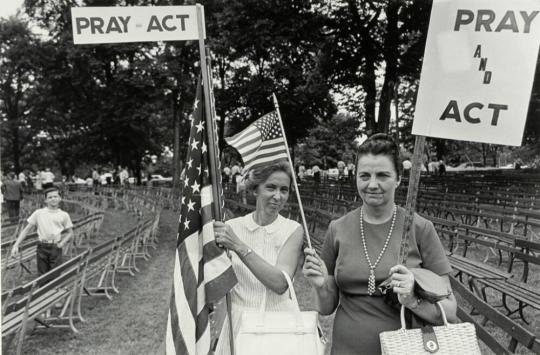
<point x="276" y="104"/>
<point x="212" y="146"/>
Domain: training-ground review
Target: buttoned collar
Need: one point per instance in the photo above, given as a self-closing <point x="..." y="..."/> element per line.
<point x="269" y="228"/>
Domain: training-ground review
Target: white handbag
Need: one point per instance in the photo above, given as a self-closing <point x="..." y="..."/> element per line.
<point x="284" y="333"/>
<point x="447" y="339"/>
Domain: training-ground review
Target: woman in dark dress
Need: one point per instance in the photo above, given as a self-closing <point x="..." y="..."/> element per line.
<point x="361" y="250"/>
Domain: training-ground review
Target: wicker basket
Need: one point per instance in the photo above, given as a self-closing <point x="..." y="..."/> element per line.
<point x="442" y="340"/>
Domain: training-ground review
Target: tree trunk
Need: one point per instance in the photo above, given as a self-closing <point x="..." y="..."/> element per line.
<point x="16" y="149"/>
<point x="390" y="55"/>
<point x="370" y="89"/>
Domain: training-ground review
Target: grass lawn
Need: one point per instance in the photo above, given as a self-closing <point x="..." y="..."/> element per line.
<point x="134" y="321"/>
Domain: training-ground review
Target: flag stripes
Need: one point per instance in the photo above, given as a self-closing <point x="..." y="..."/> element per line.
<point x="260" y="143"/>
<point x="202" y="271"/>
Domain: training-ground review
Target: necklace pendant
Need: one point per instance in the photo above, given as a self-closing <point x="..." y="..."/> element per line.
<point x="371" y="282"/>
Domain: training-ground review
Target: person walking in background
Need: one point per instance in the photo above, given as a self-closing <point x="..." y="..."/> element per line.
<point x="95" y="177"/>
<point x="22" y="180"/>
<point x="316" y="177"/>
<point x="124" y="176"/>
<point x="39" y="181"/>
<point x="407" y="166"/>
<point x="13" y="194"/>
<point x="47" y="178"/>
<point x="361" y="249"/>
<point x="350" y="171"/>
<point x="51" y="222"/>
<point x="442" y="167"/>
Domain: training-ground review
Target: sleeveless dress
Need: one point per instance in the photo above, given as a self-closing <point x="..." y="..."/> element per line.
<point x="266" y="241"/>
<point x="360" y="318"/>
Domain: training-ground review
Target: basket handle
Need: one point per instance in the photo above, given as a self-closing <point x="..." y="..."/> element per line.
<point x="402" y="316"/>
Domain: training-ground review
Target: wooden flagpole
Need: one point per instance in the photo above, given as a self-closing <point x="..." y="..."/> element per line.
<point x="212" y="149"/>
<point x="412" y="195"/>
<point x="276" y="104"/>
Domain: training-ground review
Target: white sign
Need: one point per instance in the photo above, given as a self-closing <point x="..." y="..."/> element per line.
<point x="478" y="70"/>
<point x="134" y="24"/>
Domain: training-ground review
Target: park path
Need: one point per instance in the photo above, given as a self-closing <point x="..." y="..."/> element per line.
<point x="134" y="321"/>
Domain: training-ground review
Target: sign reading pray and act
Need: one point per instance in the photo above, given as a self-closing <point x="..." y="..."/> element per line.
<point x="478" y="70"/>
<point x="93" y="25"/>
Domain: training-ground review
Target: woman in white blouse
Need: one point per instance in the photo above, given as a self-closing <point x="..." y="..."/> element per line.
<point x="264" y="244"/>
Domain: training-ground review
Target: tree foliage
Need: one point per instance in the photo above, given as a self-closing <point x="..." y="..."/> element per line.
<point x="66" y="105"/>
<point x="330" y="141"/>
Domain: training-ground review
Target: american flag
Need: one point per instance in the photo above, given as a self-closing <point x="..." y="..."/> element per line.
<point x="203" y="273"/>
<point x="261" y="142"/>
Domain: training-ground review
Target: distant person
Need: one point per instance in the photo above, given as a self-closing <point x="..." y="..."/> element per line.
<point x="442" y="167"/>
<point x="341" y="169"/>
<point x="433" y="167"/>
<point x="407" y="166"/>
<point x="22" y="179"/>
<point x="518" y="164"/>
<point x="301" y="172"/>
<point x="226" y="174"/>
<point x="350" y="171"/>
<point x="124" y="176"/>
<point x="95" y="177"/>
<point x="316" y="173"/>
<point x="48" y="178"/>
<point x="39" y="181"/>
<point x="50" y="222"/>
<point x="235" y="171"/>
<point x="13" y="194"/>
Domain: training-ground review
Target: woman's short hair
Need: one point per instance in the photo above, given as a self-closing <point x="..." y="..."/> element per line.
<point x="381" y="144"/>
<point x="259" y="175"/>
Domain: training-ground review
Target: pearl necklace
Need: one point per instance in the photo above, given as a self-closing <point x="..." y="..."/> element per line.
<point x="371" y="279"/>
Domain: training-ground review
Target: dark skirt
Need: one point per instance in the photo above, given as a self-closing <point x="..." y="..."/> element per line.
<point x="358" y="322"/>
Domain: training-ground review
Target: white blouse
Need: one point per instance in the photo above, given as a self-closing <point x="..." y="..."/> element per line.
<point x="267" y="241"/>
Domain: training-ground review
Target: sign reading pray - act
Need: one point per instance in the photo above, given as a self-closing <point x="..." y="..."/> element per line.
<point x="478" y="70"/>
<point x="134" y="24"/>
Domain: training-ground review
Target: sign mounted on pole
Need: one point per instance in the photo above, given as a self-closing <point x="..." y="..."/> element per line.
<point x="478" y="70"/>
<point x="93" y="25"/>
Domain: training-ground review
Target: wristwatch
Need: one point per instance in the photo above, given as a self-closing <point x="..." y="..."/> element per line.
<point x="245" y="253"/>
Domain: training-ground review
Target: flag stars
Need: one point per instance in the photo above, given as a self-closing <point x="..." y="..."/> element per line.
<point x="190" y="206"/>
<point x="203" y="148"/>
<point x="186" y="224"/>
<point x="199" y="127"/>
<point x="195" y="187"/>
<point x="195" y="104"/>
<point x="186" y="184"/>
<point x="194" y="145"/>
<point x="189" y="163"/>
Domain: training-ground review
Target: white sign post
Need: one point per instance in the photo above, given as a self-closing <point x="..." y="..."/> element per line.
<point x="93" y="25"/>
<point x="476" y="76"/>
<point x="478" y="70"/>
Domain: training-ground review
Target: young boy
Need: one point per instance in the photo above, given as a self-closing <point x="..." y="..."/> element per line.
<point x="50" y="221"/>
